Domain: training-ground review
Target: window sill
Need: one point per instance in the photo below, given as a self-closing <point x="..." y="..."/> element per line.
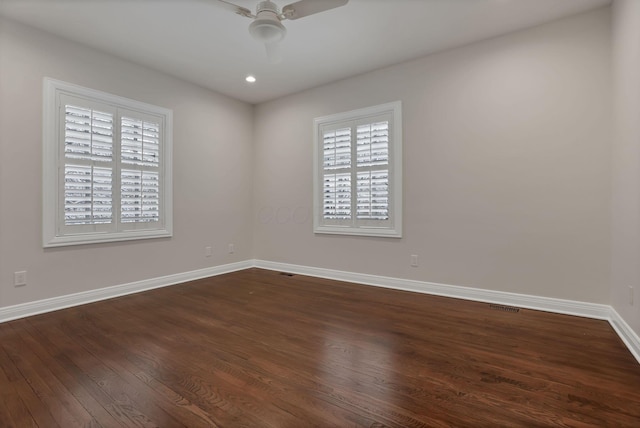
<point x="361" y="231"/>
<point x="96" y="238"/>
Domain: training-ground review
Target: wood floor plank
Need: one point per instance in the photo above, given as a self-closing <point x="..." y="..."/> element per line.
<point x="258" y="349"/>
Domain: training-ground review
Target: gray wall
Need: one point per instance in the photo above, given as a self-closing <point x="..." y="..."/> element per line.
<point x="212" y="171"/>
<point x="506" y="166"/>
<point x="626" y="161"/>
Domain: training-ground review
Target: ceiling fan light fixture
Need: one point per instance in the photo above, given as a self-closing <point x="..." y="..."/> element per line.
<point x="267" y="28"/>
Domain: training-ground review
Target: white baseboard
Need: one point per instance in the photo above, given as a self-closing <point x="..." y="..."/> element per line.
<point x="561" y="306"/>
<point x="626" y="333"/>
<point x="568" y="307"/>
<point x="55" y="303"/>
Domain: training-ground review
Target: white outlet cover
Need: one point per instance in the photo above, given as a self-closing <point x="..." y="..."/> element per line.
<point x="20" y="278"/>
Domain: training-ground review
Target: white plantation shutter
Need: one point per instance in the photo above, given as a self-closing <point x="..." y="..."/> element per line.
<point x="336" y="176"/>
<point x="373" y="195"/>
<point x="373" y="144"/>
<point x="337" y="149"/>
<point x="88" y="151"/>
<point x="372" y="171"/>
<point x="140" y="142"/>
<point x="88" y="135"/>
<point x="88" y="195"/>
<point x="140" y="181"/>
<point x="107" y="169"/>
<point x="358" y="179"/>
<point x="140" y="196"/>
<point x="337" y="196"/>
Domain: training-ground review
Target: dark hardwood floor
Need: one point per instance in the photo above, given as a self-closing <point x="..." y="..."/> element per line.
<point x="260" y="349"/>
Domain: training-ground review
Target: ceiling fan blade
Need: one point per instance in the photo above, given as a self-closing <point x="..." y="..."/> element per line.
<point x="242" y="11"/>
<point x="274" y="52"/>
<point x="303" y="8"/>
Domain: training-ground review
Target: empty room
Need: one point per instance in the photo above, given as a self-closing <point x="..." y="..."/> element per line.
<point x="325" y="213"/>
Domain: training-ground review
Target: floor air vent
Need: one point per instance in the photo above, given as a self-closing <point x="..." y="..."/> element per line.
<point x="286" y="274"/>
<point x="504" y="308"/>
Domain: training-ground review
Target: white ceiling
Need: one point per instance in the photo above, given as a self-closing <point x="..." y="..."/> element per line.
<point x="198" y="41"/>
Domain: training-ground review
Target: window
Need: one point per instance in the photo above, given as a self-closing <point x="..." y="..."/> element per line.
<point x="107" y="167"/>
<point x="358" y="172"/>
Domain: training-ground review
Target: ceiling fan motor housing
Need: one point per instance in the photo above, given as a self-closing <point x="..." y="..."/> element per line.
<point x="267" y="5"/>
<point x="267" y="27"/>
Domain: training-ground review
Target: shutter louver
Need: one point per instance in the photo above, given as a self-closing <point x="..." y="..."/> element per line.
<point x="373" y="195"/>
<point x="373" y="144"/>
<point x="88" y="194"/>
<point x="140" y="187"/>
<point x="337" y="149"/>
<point x="337" y="196"/>
<point x="140" y="142"/>
<point x="88" y="134"/>
<point x="140" y="196"/>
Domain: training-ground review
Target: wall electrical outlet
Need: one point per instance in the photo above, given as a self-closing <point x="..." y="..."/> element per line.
<point x="20" y="278"/>
<point x="414" y="260"/>
<point x="208" y="252"/>
<point x="631" y="295"/>
<point x="231" y="249"/>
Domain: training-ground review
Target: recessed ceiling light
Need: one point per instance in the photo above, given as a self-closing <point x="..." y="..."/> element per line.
<point x="250" y="79"/>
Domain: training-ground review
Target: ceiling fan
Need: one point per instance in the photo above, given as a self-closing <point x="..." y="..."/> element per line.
<point x="267" y="26"/>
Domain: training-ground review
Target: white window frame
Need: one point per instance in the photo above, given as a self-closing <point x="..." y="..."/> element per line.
<point x="388" y="228"/>
<point x="55" y="232"/>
